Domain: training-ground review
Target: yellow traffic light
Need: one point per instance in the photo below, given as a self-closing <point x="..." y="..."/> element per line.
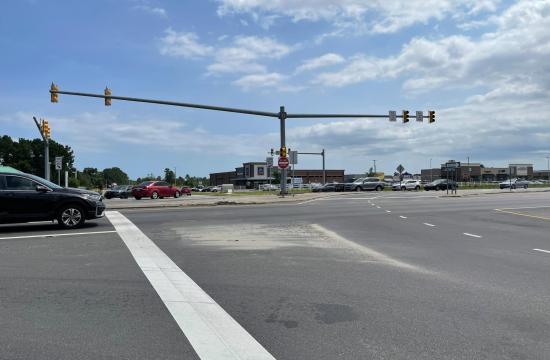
<point x="53" y="93"/>
<point x="431" y="116"/>
<point x="405" y="116"/>
<point x="283" y="152"/>
<point x="46" y="129"/>
<point x="107" y="99"/>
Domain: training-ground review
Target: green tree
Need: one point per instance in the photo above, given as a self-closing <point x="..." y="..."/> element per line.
<point x="169" y="176"/>
<point x="114" y="175"/>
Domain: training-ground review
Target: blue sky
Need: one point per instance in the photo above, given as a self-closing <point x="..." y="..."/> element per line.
<point x="481" y="65"/>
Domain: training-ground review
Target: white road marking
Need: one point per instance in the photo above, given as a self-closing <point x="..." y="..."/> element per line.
<point x="373" y="204"/>
<point x="388" y="211"/>
<point x="383" y="258"/>
<point x="56" y="235"/>
<point x="212" y="332"/>
<point x="544" y="251"/>
<point x="428" y="224"/>
<point x="525" y="207"/>
<point x="402" y="217"/>
<point x="378" y="207"/>
<point x="472" y="235"/>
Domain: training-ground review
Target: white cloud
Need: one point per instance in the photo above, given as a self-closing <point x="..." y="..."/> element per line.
<point x="152" y="10"/>
<point x="378" y="16"/>
<point x="260" y="80"/>
<point x="185" y="45"/>
<point x="517" y="52"/>
<point x="319" y="62"/>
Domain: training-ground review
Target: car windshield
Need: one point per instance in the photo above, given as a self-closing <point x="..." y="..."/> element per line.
<point x="44" y="182"/>
<point x="359" y="181"/>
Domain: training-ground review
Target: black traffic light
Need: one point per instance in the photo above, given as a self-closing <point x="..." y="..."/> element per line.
<point x="272" y="151"/>
<point x="107" y="99"/>
<point x="53" y="93"/>
<point x="431" y="116"/>
<point x="405" y="116"/>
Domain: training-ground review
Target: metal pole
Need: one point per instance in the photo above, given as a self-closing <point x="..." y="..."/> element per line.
<point x="47" y="159"/>
<point x="431" y="171"/>
<point x="59" y="177"/>
<point x="548" y="168"/>
<point x="447" y="174"/>
<point x="374" y="167"/>
<point x="324" y="171"/>
<point x="282" y="118"/>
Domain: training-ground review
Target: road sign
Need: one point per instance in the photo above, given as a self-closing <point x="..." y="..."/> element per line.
<point x="419" y="116"/>
<point x="400" y="168"/>
<point x="393" y="115"/>
<point x="283" y="162"/>
<point x="58" y="162"/>
<point x="293" y="157"/>
<point x="269" y="162"/>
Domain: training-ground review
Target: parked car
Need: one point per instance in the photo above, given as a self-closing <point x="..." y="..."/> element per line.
<point x="186" y="190"/>
<point x="268" y="187"/>
<point x="441" y="184"/>
<point x="119" y="191"/>
<point x="329" y="187"/>
<point x="155" y="190"/>
<point x="214" y="189"/>
<point x="407" y="185"/>
<point x="26" y="197"/>
<point x="514" y="184"/>
<point x="369" y="183"/>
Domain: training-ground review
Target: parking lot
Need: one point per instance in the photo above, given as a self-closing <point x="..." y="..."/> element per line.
<point x="369" y="275"/>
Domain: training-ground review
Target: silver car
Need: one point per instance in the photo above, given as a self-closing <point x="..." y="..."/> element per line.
<point x="369" y="183"/>
<point x="514" y="184"/>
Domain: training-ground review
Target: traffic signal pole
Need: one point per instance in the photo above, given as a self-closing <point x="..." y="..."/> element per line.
<point x="282" y="115"/>
<point x="46" y="150"/>
<point x="322" y="153"/>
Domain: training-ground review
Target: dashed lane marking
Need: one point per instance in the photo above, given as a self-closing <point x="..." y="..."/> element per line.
<point x="544" y="251"/>
<point x="388" y="211"/>
<point x="212" y="332"/>
<point x="57" y="235"/>
<point x="428" y="224"/>
<point x="402" y="217"/>
<point x="473" y="235"/>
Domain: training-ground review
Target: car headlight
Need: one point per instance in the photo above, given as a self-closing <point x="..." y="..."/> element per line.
<point x="91" y="197"/>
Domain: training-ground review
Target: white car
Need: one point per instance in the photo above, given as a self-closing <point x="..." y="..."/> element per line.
<point x="407" y="185"/>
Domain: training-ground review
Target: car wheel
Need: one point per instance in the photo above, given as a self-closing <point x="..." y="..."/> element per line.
<point x="154" y="195"/>
<point x="417" y="188"/>
<point x="403" y="188"/>
<point x="358" y="188"/>
<point x="177" y="194"/>
<point x="513" y="187"/>
<point x="71" y="216"/>
<point x="379" y="188"/>
<point x="137" y="197"/>
<point x="525" y="186"/>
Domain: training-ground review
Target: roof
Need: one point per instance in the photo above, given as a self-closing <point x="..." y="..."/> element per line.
<point x="8" y="169"/>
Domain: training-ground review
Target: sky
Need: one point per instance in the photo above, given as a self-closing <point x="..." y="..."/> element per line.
<point x="482" y="65"/>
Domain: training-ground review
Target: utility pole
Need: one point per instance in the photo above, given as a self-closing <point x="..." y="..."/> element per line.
<point x="42" y="126"/>
<point x="374" y="161"/>
<point x="281" y="115"/>
<point x="431" y="171"/>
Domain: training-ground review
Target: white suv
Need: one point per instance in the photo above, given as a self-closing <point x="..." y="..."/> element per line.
<point x="407" y="185"/>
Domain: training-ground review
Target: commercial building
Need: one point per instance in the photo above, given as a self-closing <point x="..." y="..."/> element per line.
<point x="429" y="175"/>
<point x="476" y="172"/>
<point x="253" y="174"/>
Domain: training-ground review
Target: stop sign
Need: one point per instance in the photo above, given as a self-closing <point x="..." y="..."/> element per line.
<point x="283" y="162"/>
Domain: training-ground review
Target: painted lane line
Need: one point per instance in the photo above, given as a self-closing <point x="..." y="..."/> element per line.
<point x="373" y="204"/>
<point x="522" y="214"/>
<point x="388" y="211"/>
<point x="56" y="235"/>
<point x="541" y="250"/>
<point x="472" y="235"/>
<point x="428" y="224"/>
<point x="378" y="207"/>
<point x="212" y="332"/>
<point x="402" y="217"/>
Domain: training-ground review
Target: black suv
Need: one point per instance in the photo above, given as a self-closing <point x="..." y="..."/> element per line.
<point x="25" y="197"/>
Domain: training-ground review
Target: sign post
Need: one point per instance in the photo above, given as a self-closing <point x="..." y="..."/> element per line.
<point x="269" y="165"/>
<point x="58" y="166"/>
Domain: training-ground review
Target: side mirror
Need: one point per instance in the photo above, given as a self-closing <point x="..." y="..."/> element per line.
<point x="41" y="188"/>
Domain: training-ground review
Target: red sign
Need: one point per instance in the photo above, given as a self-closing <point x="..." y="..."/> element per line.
<point x="283" y="162"/>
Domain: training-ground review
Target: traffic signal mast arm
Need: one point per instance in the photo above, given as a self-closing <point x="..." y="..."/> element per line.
<point x="54" y="91"/>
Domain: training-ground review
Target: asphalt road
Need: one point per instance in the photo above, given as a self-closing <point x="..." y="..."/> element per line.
<point x="352" y="276"/>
